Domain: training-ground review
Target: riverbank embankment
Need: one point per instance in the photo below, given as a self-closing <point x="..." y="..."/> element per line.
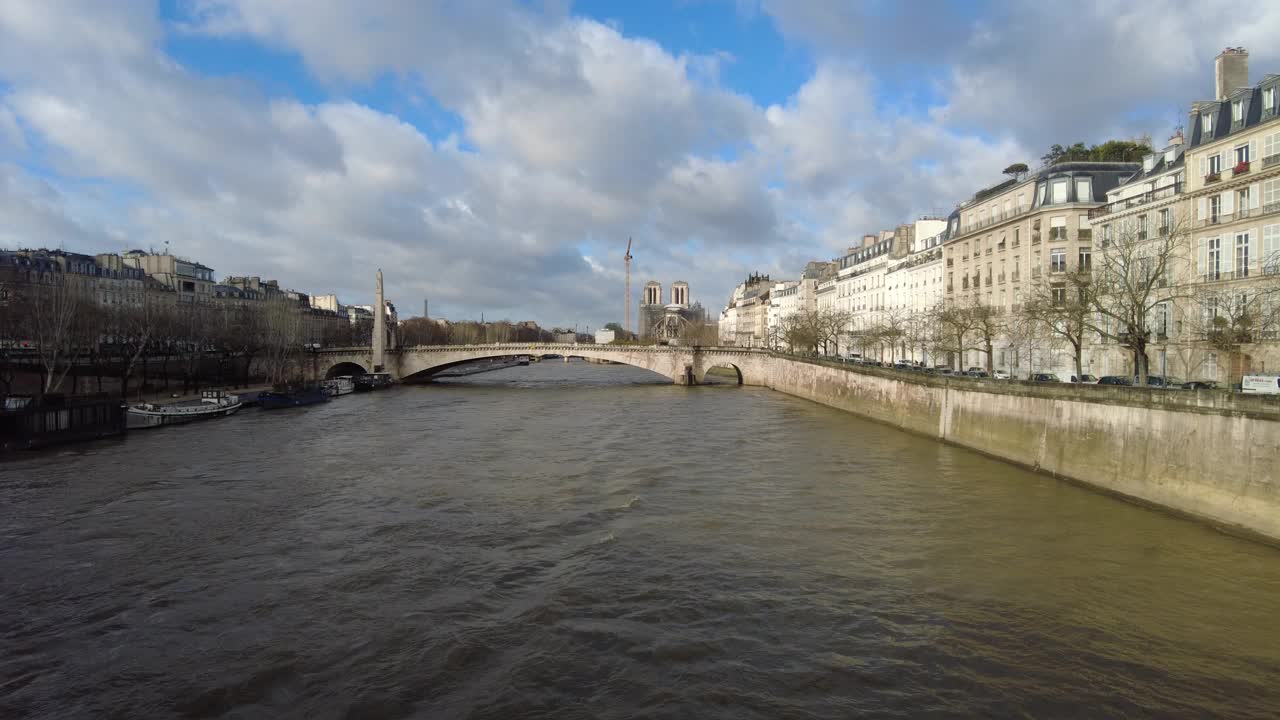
<point x="1213" y="456"/>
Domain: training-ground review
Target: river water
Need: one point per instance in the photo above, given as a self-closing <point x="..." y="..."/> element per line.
<point x="583" y="541"/>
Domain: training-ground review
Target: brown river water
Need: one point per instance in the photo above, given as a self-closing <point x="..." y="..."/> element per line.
<point x="568" y="540"/>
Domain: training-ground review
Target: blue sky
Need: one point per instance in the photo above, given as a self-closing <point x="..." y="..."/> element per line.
<point x="495" y="156"/>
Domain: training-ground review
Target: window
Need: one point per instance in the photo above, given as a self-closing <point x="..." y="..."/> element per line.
<point x="1215" y="209"/>
<point x="1040" y="195"/>
<point x="1270" y="260"/>
<point x="1215" y="259"/>
<point x="1237" y="111"/>
<point x="1015" y="237"/>
<point x="1242" y="254"/>
<point x="1058" y="228"/>
<point x="1106" y="235"/>
<point x="1059" y="191"/>
<point x="1206" y="123"/>
<point x="1086" y="259"/>
<point x="1215" y="164"/>
<point x="1058" y="260"/>
<point x="1270" y="195"/>
<point x="1059" y="295"/>
<point x="1271" y="146"/>
<point x="1242" y="154"/>
<point x="1162" y="320"/>
<point x="1141" y="224"/>
<point x="1242" y="202"/>
<point x="1269" y="99"/>
<point x="1084" y="190"/>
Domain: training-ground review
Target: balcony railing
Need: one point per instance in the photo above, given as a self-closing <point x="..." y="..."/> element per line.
<point x="951" y="262"/>
<point x="1084" y="234"/>
<point x="1057" y="233"/>
<point x="1212" y="178"/>
<point x="1142" y="235"/>
<point x="988" y="282"/>
<point x="1241" y="214"/>
<point x="964" y="284"/>
<point x="1035" y="238"/>
<point x="1000" y="247"/>
<point x="1241" y="168"/>
<point x="1000" y="278"/>
<point x="1035" y="273"/>
<point x="1163" y="193"/>
<point x="988" y="251"/>
<point x="992" y="220"/>
<point x="1271" y="160"/>
<point x="951" y="288"/>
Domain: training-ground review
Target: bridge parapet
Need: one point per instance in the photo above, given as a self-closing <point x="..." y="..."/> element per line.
<point x="685" y="365"/>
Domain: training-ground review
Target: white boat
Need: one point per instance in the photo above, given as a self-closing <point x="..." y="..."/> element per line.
<point x="341" y="385"/>
<point x="212" y="404"/>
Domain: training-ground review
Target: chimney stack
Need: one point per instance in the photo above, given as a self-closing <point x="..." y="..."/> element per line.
<point x="1230" y="71"/>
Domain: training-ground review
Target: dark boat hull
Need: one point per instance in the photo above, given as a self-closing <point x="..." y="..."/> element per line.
<point x="297" y="398"/>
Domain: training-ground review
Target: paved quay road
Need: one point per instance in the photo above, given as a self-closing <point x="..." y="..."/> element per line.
<point x="568" y="540"/>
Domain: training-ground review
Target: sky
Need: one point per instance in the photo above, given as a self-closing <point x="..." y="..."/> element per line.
<point x="494" y="156"/>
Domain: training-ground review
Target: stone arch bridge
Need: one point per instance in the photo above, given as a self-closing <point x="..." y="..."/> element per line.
<point x="684" y="365"/>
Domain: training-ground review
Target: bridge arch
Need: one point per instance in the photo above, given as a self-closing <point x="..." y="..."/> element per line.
<point x="721" y="365"/>
<point x="345" y="367"/>
<point x="422" y="367"/>
<point x="420" y="363"/>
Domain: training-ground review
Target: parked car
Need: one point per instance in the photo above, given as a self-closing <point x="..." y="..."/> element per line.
<point x="1001" y="375"/>
<point x="1115" y="380"/>
<point x="1160" y="381"/>
<point x="1085" y="379"/>
<point x="929" y="370"/>
<point x="946" y="371"/>
<point x="1044" y="377"/>
<point x="903" y="365"/>
<point x="977" y="373"/>
<point x="1200" y="385"/>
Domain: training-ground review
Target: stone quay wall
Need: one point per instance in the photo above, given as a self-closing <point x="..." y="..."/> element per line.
<point x="1211" y="455"/>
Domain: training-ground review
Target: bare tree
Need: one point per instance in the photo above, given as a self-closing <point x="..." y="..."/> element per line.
<point x="958" y="331"/>
<point x="1134" y="272"/>
<point x="13" y="329"/>
<point x="282" y="339"/>
<point x="1065" y="310"/>
<point x="828" y="326"/>
<point x="58" y="323"/>
<point x="700" y="332"/>
<point x="1226" y="319"/>
<point x="131" y="328"/>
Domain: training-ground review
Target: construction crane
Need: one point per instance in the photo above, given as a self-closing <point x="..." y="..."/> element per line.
<point x="626" y="320"/>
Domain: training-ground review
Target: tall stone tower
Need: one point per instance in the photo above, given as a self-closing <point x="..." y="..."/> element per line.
<point x="379" y="325"/>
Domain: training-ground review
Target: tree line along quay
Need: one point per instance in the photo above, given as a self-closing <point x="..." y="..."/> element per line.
<point x="1115" y="260"/>
<point x="142" y="322"/>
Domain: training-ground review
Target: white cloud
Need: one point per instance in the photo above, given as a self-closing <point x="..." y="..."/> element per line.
<point x="11" y="135"/>
<point x="573" y="138"/>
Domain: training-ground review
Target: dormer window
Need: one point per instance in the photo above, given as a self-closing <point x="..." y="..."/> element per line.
<point x="1269" y="99"/>
<point x="1206" y="123"/>
<point x="1237" y="111"/>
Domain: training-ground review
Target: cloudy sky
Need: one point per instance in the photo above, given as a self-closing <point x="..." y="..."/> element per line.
<point x="494" y="156"/>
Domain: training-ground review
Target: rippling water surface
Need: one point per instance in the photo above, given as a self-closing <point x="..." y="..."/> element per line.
<point x="576" y="541"/>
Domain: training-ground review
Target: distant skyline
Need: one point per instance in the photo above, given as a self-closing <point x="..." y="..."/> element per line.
<point x="495" y="156"/>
